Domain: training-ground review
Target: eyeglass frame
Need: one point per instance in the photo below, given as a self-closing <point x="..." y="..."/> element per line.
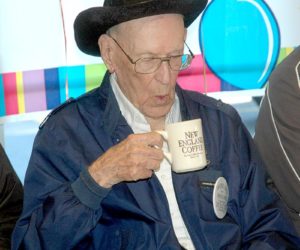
<point x="162" y="59"/>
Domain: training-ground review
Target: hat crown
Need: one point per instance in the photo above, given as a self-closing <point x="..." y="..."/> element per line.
<point x="91" y="23"/>
<point x="118" y="3"/>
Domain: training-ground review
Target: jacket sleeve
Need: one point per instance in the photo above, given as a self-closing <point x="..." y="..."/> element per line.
<point x="264" y="220"/>
<point x="11" y="199"/>
<point x="62" y="201"/>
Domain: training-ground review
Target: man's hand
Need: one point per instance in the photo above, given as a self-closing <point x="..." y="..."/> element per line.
<point x="133" y="159"/>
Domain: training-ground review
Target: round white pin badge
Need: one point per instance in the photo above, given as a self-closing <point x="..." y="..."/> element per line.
<point x="220" y="197"/>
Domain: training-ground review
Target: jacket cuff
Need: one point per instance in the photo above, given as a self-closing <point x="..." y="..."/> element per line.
<point x="88" y="191"/>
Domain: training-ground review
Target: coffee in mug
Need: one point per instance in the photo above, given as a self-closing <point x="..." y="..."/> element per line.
<point x="186" y="145"/>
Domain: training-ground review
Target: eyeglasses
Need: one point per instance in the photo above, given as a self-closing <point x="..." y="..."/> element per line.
<point x="148" y="65"/>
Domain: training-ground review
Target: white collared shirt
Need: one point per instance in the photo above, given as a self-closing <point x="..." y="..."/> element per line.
<point x="139" y="124"/>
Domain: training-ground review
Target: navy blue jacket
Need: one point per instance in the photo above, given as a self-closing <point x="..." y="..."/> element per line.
<point x="66" y="209"/>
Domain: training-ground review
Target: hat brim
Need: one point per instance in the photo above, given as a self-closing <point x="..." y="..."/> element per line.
<point x="90" y="24"/>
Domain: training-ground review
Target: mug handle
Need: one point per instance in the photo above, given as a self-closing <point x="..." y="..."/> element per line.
<point x="167" y="155"/>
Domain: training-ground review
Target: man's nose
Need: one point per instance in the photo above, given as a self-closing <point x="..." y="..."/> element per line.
<point x="164" y="72"/>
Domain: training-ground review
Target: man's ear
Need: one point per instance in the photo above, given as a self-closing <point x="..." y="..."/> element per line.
<point x="104" y="44"/>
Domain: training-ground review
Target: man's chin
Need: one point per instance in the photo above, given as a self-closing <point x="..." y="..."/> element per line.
<point x="157" y="112"/>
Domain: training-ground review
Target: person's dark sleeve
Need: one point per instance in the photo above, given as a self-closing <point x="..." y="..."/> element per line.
<point x="11" y="199"/>
<point x="265" y="222"/>
<point x="277" y="132"/>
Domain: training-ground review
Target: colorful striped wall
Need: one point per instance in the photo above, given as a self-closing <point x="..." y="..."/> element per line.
<point x="38" y="90"/>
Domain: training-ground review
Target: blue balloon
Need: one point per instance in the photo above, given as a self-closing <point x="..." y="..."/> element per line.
<point x="240" y="41"/>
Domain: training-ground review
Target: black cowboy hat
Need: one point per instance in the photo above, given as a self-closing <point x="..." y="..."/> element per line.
<point x="90" y="24"/>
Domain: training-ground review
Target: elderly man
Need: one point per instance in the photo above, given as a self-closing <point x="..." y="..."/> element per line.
<point x="97" y="177"/>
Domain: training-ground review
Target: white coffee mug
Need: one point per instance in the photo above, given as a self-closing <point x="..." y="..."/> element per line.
<point x="186" y="145"/>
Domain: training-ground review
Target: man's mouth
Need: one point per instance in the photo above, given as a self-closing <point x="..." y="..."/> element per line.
<point x="162" y="99"/>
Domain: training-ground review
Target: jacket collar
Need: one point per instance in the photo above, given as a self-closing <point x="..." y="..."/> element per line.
<point x="112" y="114"/>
